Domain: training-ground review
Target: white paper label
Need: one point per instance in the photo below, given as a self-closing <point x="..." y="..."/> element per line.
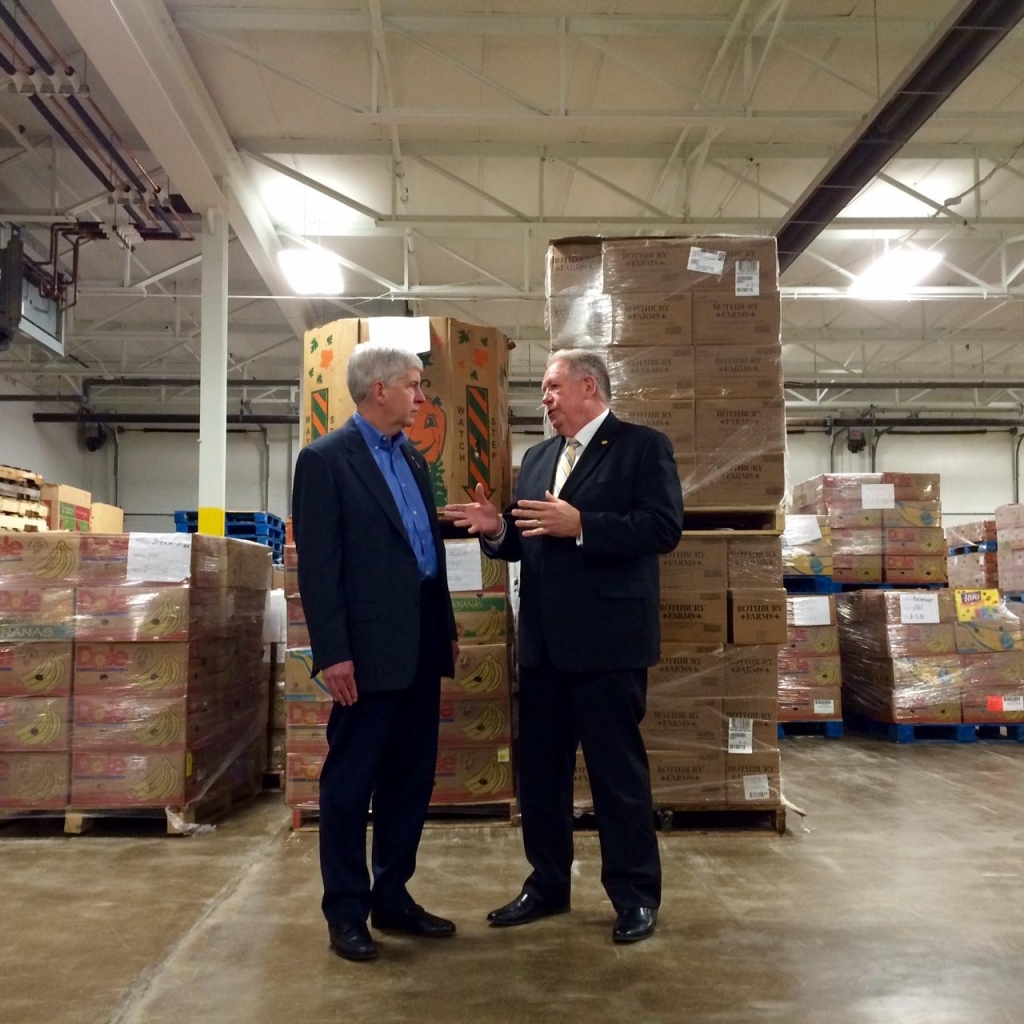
<point x="824" y="707"/>
<point x="877" y="496"/>
<point x="801" y="530"/>
<point x="741" y="735"/>
<point x="409" y="333"/>
<point x="159" y="557"/>
<point x="811" y="611"/>
<point x="755" y="787"/>
<point x="465" y="571"/>
<point x="748" y="277"/>
<point x="1013" y="703"/>
<point x="919" y="608"/>
<point x="705" y="261"/>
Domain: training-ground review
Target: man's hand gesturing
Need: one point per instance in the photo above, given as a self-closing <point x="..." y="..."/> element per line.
<point x="479" y="517"/>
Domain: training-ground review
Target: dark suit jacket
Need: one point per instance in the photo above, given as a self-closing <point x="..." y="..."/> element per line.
<point x="595" y="607"/>
<point x="358" y="576"/>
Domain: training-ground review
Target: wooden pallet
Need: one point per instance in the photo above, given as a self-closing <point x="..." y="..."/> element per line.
<point x="307" y="819"/>
<point x="739" y="520"/>
<point x="30" y="509"/>
<point x="710" y="818"/>
<point x="22" y="524"/>
<point x="14" y="475"/>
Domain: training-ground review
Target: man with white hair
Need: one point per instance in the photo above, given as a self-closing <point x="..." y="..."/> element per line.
<point x="375" y="594"/>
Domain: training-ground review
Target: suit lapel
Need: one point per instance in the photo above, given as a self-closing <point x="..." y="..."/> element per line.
<point x="546" y="462"/>
<point x="368" y="471"/>
<point x="591" y="457"/>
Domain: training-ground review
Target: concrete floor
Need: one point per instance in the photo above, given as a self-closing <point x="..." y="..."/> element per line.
<point x="898" y="899"/>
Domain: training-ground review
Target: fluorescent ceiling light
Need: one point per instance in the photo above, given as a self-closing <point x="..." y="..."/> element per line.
<point x="892" y="275"/>
<point x="311" y="271"/>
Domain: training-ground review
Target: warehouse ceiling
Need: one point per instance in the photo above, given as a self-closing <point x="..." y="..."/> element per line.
<point x="435" y="147"/>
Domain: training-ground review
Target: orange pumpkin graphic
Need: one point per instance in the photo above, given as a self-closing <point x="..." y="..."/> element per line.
<point x="428" y="432"/>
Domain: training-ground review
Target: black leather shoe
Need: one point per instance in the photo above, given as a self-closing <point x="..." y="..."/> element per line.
<point x="352" y="941"/>
<point x="415" y="921"/>
<point x="635" y="924"/>
<point x="524" y="909"/>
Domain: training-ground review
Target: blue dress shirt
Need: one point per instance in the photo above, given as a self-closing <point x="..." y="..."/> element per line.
<point x="391" y="461"/>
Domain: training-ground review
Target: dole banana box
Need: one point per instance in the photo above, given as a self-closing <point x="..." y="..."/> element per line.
<point x="111" y="779"/>
<point x="306" y="726"/>
<point x="481" y="618"/>
<point x="919" y="640"/>
<point x="751" y="672"/>
<point x="984" y="637"/>
<point x="479" y="774"/>
<point x="35" y="781"/>
<point x="683" y="723"/>
<point x="913" y="513"/>
<point x="36" y="613"/>
<point x="754" y="562"/>
<point x="915" y="568"/>
<point x="857" y="568"/>
<point x="118" y="614"/>
<point x="475" y="721"/>
<point x="687" y="670"/>
<point x="813" y="641"/>
<point x="808" y="703"/>
<point x="824" y="670"/>
<point x="697" y="563"/>
<point x="35" y="670"/>
<point x="130" y="724"/>
<point x="753" y="780"/>
<point x="751" y="724"/>
<point x="687" y="778"/>
<point x="992" y="671"/>
<point x="694" y="617"/>
<point x="302" y="779"/>
<point x="481" y="671"/>
<point x="30" y="558"/>
<point x="910" y="706"/>
<point x="35" y="723"/>
<point x="757" y="616"/>
<point x="994" y="705"/>
<point x="158" y="669"/>
<point x="298" y="683"/>
<point x="470" y="571"/>
<point x="911" y="540"/>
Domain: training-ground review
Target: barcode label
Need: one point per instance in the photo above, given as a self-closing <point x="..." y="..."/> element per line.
<point x="1013" y="703"/>
<point x="741" y="735"/>
<point x="824" y="707"/>
<point x="755" y="787"/>
<point x="705" y="261"/>
<point x="748" y="277"/>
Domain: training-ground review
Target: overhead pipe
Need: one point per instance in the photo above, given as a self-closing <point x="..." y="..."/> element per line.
<point x="887" y="385"/>
<point x="169" y="418"/>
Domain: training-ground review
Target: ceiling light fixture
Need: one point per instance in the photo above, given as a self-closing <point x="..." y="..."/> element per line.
<point x="894" y="273"/>
<point x="312" y="271"/>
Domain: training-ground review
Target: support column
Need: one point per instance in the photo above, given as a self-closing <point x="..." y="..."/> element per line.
<point x="213" y="373"/>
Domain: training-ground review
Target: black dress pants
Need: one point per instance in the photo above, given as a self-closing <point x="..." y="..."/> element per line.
<point x="382" y="748"/>
<point x="602" y="711"/>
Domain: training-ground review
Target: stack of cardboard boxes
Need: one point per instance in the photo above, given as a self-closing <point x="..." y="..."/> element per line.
<point x="810" y="671"/>
<point x="807" y="546"/>
<point x="932" y="656"/>
<point x="690" y="330"/>
<point x="885" y="527"/>
<point x="138" y="659"/>
<point x="1010" y="541"/>
<point x="972" y="561"/>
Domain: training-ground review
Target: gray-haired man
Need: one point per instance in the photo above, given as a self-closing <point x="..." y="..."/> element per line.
<point x="375" y="593"/>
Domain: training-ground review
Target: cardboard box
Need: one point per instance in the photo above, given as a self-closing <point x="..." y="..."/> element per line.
<point x="481" y="720"/>
<point x="979" y="532"/>
<point x="977" y="570"/>
<point x="131" y="724"/>
<point x="651" y="373"/>
<point x="306" y="739"/>
<point x="757" y="616"/>
<point x="470" y="571"/>
<point x="278" y="708"/>
<point x="687" y="670"/>
<point x="915" y="569"/>
<point x="683" y="723"/>
<point x="848" y="489"/>
<point x="481" y="618"/>
<point x="861" y="520"/>
<point x="857" y="568"/>
<point x="734" y="320"/>
<point x="696" y="617"/>
<point x="157" y="669"/>
<point x="477" y="775"/>
<point x="813" y="641"/>
<point x="755" y="562"/>
<point x="809" y="670"/>
<point x="753" y="780"/>
<point x="125" y="613"/>
<point x="461" y="430"/>
<point x="36" y="613"/>
<point x="995" y="705"/>
<point x="69" y="507"/>
<point x="981" y="638"/>
<point x="698" y="563"/>
<point x="736" y="265"/>
<point x="751" y="724"/>
<point x="106" y="518"/>
<point x="918" y="640"/>
<point x="687" y="778"/>
<point x="34" y="781"/>
<point x="302" y="779"/>
<point x="992" y="671"/>
<point x="34" y="723"/>
<point x="748" y="425"/>
<point x="298" y="684"/>
<point x="114" y="779"/>
<point x="481" y="671"/>
<point x="39" y="558"/>
<point x="738" y="371"/>
<point x="913" y="513"/>
<point x="804" y="610"/>
<point x="674" y="419"/>
<point x="855" y="542"/>
<point x="756" y="478"/>
<point x="579" y="321"/>
<point x="810" y="703"/>
<point x="298" y="631"/>
<point x="573" y="267"/>
<point x="899" y="608"/>
<point x="36" y="670"/>
<point x="751" y="672"/>
<point x="914" y="540"/>
<point x="650" y="320"/>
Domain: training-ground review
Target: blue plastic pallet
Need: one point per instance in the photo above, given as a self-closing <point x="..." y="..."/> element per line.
<point x="831" y="729"/>
<point x="251" y="531"/>
<point x="892" y="586"/>
<point x="985" y="546"/>
<point x="811" y="585"/>
<point x="915" y="732"/>
<point x="264" y="518"/>
<point x="991" y="731"/>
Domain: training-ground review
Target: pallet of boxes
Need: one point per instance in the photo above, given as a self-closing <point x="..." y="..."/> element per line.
<point x="462" y="433"/>
<point x="130" y="675"/>
<point x="690" y="330"/>
<point x="22" y="508"/>
<point x="972" y="558"/>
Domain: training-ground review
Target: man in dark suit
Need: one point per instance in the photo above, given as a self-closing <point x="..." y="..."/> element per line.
<point x="594" y="508"/>
<point x="374" y="590"/>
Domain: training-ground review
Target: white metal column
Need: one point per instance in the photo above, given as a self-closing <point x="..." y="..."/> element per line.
<point x="213" y="391"/>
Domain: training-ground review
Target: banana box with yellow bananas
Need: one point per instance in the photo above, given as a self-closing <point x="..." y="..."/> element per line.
<point x="993" y="670"/>
<point x="825" y="670"/>
<point x="475" y="721"/>
<point x="808" y="703"/>
<point x="470" y="571"/>
<point x="480" y="618"/>
<point x="298" y="631"/>
<point x="160" y="669"/>
<point x="298" y="683"/>
<point x="35" y="723"/>
<point x="36" y="670"/>
<point x="40" y="557"/>
<point x="306" y="726"/>
<point x="132" y="724"/>
<point x="35" y="781"/>
<point x="813" y="641"/>
<point x="918" y="640"/>
<point x="994" y="704"/>
<point x="111" y="779"/>
<point x="479" y="774"/>
<point x="115" y="614"/>
<point x="302" y="779"/>
<point x="981" y="637"/>
<point x="36" y="613"/>
<point x="481" y="671"/>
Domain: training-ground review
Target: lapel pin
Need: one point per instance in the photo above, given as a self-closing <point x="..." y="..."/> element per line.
<point x="604" y="442"/>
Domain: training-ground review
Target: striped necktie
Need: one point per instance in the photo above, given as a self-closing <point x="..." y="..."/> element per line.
<point x="565" y="463"/>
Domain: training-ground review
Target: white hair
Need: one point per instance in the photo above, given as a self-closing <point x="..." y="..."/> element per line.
<point x="585" y="362"/>
<point x="371" y="363"/>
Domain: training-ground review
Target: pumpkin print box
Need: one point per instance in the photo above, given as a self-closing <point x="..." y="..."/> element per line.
<point x="462" y="428"/>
